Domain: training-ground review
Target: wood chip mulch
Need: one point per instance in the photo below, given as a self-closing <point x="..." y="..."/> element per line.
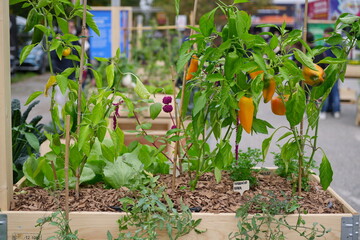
<point x="210" y="196"/>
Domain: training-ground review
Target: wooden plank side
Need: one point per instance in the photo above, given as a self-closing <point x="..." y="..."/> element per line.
<point x="95" y="225"/>
<point x="5" y="109"/>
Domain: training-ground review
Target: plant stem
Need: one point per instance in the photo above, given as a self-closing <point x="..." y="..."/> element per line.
<point x="66" y="168"/>
<point x="82" y="56"/>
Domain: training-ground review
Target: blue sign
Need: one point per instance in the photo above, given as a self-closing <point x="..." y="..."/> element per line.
<point x="100" y="46"/>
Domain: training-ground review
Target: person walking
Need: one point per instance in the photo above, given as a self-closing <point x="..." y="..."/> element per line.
<point x="332" y="102"/>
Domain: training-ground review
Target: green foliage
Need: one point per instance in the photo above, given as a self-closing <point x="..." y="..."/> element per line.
<point x="266" y="225"/>
<point x="27" y="136"/>
<point x="153" y="211"/>
<point x="58" y="220"/>
<point x="243" y="167"/>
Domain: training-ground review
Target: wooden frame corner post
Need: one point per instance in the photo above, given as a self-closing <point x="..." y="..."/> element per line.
<point x="5" y="111"/>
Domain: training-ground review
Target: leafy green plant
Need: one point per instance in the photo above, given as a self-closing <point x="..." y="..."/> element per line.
<point x="27" y="136"/>
<point x="265" y="225"/>
<point x="58" y="220"/>
<point x="243" y="167"/>
<point x="153" y="211"/>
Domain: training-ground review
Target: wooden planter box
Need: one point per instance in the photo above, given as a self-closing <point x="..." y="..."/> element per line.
<point x="94" y="225"/>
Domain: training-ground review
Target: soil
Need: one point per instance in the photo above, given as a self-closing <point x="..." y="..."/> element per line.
<point x="209" y="196"/>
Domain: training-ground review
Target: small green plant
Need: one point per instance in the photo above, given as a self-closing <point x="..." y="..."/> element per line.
<point x="265" y="225"/>
<point x="242" y="168"/>
<point x="26" y="136"/>
<point x="58" y="220"/>
<point x="152" y="211"/>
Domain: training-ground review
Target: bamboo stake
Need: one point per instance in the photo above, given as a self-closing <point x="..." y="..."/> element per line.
<point x="66" y="168"/>
<point x="302" y="85"/>
<point x="192" y="23"/>
<point x="77" y="187"/>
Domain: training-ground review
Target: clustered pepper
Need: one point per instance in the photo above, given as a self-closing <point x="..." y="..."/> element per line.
<point x="278" y="105"/>
<point x="193" y="67"/>
<point x="312" y="77"/>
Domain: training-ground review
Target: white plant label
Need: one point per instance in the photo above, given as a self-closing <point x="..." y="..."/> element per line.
<point x="241" y="186"/>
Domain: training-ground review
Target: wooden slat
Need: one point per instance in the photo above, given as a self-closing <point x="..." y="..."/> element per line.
<point x="94" y="226"/>
<point x="5" y="111"/>
<point x="352" y="71"/>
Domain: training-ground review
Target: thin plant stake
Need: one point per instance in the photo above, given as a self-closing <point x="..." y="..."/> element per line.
<point x="82" y="56"/>
<point x="302" y="85"/>
<point x="66" y="168"/>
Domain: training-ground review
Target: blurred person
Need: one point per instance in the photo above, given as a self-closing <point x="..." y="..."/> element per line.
<point x="332" y="102"/>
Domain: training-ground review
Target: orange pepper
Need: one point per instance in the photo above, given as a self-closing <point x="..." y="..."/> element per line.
<point x="193" y="67"/>
<point x="269" y="90"/>
<point x="255" y="73"/>
<point x="313" y="78"/>
<point x="278" y="105"/>
<point x="246" y="113"/>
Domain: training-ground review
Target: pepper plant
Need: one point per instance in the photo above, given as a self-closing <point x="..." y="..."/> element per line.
<point x="237" y="69"/>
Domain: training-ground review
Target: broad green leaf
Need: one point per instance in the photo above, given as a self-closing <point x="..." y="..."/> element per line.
<point x="183" y="59"/>
<point x="42" y="28"/>
<point x="87" y="175"/>
<point x="266" y="144"/>
<point x="296" y="106"/>
<point x="42" y="3"/>
<point x="76" y="156"/>
<point x="330" y="60"/>
<point x="141" y="90"/>
<point x="67" y="72"/>
<point x="100" y="59"/>
<point x="25" y="52"/>
<point x="62" y="82"/>
<point x="207" y="23"/>
<point x="33" y="96"/>
<point x="91" y="23"/>
<point x="334" y="40"/>
<point x="260" y="61"/>
<point x="260" y="126"/>
<point x="32" y="170"/>
<point x="32" y="140"/>
<point x="32" y="20"/>
<point x="63" y="24"/>
<point x="326" y="173"/>
<point x="155" y="109"/>
<point x="110" y="75"/>
<point x="97" y="114"/>
<point x="55" y="43"/>
<point x="243" y="23"/>
<point x="98" y="78"/>
<point x="349" y="19"/>
<point x="199" y="103"/>
<point x="303" y="59"/>
<point x="312" y="113"/>
<point x="85" y="133"/>
<point x="284" y="136"/>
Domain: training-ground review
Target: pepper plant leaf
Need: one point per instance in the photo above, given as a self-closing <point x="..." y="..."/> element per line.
<point x="295" y="106"/>
<point x="206" y="23"/>
<point x="155" y="110"/>
<point x="326" y="172"/>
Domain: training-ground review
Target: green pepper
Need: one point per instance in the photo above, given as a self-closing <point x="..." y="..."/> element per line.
<point x="230" y="60"/>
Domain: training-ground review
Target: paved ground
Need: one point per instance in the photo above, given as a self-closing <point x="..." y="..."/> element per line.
<point x="340" y="138"/>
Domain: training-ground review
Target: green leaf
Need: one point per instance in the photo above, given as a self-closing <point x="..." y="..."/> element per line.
<point x="110" y="75"/>
<point x="199" y="103"/>
<point x="32" y="20"/>
<point x="62" y="81"/>
<point x="240" y="1"/>
<point x="32" y="140"/>
<point x="91" y="23"/>
<point x="207" y="23"/>
<point x="97" y="114"/>
<point x="303" y="59"/>
<point x="87" y="175"/>
<point x="42" y="3"/>
<point x="296" y="106"/>
<point x="183" y="59"/>
<point x="84" y="137"/>
<point x="312" y="113"/>
<point x="98" y="78"/>
<point x="217" y="173"/>
<point x="326" y="172"/>
<point x="76" y="156"/>
<point x="33" y="96"/>
<point x="100" y="59"/>
<point x="25" y="52"/>
<point x="349" y="19"/>
<point x="260" y="126"/>
<point x="260" y="61"/>
<point x="330" y="60"/>
<point x="63" y="24"/>
<point x="155" y="110"/>
<point x="141" y="90"/>
<point x="32" y="170"/>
